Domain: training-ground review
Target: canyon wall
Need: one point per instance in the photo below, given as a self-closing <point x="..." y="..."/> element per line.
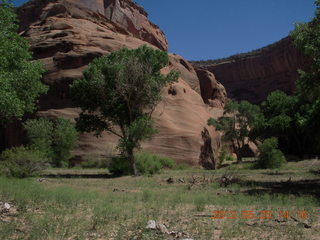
<point x="252" y="76"/>
<point x="66" y="35"/>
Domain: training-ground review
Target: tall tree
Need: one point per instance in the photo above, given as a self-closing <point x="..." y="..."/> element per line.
<point x="20" y="77"/>
<point x="306" y="37"/>
<point x="118" y="94"/>
<point x="237" y="123"/>
<point x="282" y="114"/>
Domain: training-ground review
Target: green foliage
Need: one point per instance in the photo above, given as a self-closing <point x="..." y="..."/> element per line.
<point x="39" y="134"/>
<point x="229" y="158"/>
<point x="118" y="94"/>
<point x="55" y="139"/>
<point x="119" y="166"/>
<point x="306" y="37"/>
<point x="237" y="123"/>
<point x="95" y="162"/>
<point x="64" y="139"/>
<point x="20" y="77"/>
<point x="147" y="164"/>
<point x="270" y="156"/>
<point x="22" y="162"/>
<point x="223" y="156"/>
<point x="279" y="110"/>
<point x="281" y="119"/>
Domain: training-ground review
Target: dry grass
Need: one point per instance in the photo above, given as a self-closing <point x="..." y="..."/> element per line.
<point x="119" y="208"/>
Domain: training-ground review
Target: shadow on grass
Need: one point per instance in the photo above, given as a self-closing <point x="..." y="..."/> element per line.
<point x="299" y="188"/>
<point x="92" y="176"/>
<point x="277" y="173"/>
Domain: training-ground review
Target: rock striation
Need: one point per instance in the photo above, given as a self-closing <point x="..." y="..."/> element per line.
<point x="66" y="35"/>
<point x="252" y="76"/>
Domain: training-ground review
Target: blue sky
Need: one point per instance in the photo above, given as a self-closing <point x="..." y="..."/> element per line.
<point x="210" y="29"/>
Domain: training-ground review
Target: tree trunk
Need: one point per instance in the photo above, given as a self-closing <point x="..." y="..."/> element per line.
<point x="239" y="157"/>
<point x="132" y="162"/>
<point x="238" y="153"/>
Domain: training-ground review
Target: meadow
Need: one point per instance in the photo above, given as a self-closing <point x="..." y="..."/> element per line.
<point x="235" y="202"/>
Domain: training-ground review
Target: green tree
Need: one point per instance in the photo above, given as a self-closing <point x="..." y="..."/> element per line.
<point x="237" y="123"/>
<point x="306" y="37"/>
<point x="54" y="138"/>
<point x="118" y="94"/>
<point x="21" y="162"/>
<point x="20" y="77"/>
<point x="269" y="154"/>
<point x="64" y="139"/>
<point x="282" y="114"/>
<point x="39" y="135"/>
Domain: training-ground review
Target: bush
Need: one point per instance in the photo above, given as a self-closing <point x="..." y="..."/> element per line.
<point x="63" y="140"/>
<point x="95" y="162"/>
<point x="22" y="162"/>
<point x="54" y="139"/>
<point x="270" y="156"/>
<point x="39" y="133"/>
<point x="119" y="166"/>
<point x="147" y="164"/>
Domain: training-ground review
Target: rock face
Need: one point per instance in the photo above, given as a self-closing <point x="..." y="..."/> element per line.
<point x="212" y="91"/>
<point x="67" y="34"/>
<point x="122" y="13"/>
<point x="252" y="76"/>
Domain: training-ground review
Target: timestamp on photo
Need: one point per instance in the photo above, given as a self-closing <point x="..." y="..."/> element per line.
<point x="264" y="214"/>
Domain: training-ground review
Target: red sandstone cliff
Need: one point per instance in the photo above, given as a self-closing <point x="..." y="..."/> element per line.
<point x="252" y="76"/>
<point x="66" y="35"/>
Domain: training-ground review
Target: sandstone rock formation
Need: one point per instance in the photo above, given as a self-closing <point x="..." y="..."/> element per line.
<point x="252" y="76"/>
<point x="67" y="34"/>
<point x="212" y="91"/>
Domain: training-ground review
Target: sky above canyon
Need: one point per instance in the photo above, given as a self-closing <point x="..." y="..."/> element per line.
<point x="211" y="29"/>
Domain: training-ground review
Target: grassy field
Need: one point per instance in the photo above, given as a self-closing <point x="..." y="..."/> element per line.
<point x="65" y="206"/>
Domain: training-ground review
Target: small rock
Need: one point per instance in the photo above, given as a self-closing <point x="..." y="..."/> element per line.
<point x="181" y="180"/>
<point x="6" y="206"/>
<point x="151" y="225"/>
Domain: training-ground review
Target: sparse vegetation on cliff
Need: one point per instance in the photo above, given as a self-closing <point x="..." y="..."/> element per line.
<point x="235" y="57"/>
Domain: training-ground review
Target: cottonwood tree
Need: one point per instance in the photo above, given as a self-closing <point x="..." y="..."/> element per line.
<point x="237" y="122"/>
<point x="20" y="77"/>
<point x="118" y="94"/>
<point x="306" y="37"/>
<point x="282" y="115"/>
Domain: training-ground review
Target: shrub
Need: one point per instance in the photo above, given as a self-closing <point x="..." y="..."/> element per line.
<point x="54" y="139"/>
<point x="119" y="166"/>
<point x="64" y="139"/>
<point x="222" y="156"/>
<point x="39" y="133"/>
<point x="147" y="164"/>
<point x="270" y="156"/>
<point x="95" y="162"/>
<point x="229" y="158"/>
<point x="22" y="162"/>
